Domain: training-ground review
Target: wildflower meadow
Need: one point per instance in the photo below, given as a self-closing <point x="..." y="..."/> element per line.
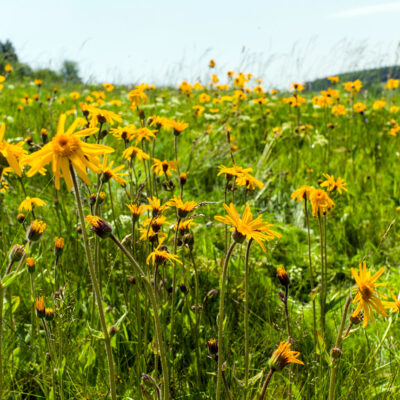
<point x="213" y="240"/>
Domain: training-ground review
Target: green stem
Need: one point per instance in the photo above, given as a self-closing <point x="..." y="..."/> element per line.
<point x="322" y="297"/>
<point x="96" y="287"/>
<point x="2" y="291"/>
<point x="246" y="318"/>
<point x="265" y="385"/>
<point x="335" y="363"/>
<point x="221" y="318"/>
<point x="311" y="275"/>
<point x="157" y="323"/>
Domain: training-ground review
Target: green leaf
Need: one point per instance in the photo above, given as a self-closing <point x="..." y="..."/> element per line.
<point x="7" y="280"/>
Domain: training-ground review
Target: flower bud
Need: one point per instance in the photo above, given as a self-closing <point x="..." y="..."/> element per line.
<point x="212" y="346"/>
<point x="283" y="276"/>
<point x="40" y="309"/>
<point x="100" y="227"/>
<point x="21" y="218"/>
<point x="31" y="264"/>
<point x="36" y="230"/>
<point x="49" y="314"/>
<point x="336" y="353"/>
<point x="17" y="253"/>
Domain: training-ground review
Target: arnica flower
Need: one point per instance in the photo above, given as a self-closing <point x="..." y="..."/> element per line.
<point x="184" y="226"/>
<point x="65" y="148"/>
<point x="155" y="206"/>
<point x="394" y="305"/>
<point x="182" y="178"/>
<point x="339" y="109"/>
<point x="133" y="152"/>
<point x="302" y="193"/>
<point x="144" y="134"/>
<point x="17" y="253"/>
<point x="36" y="230"/>
<point x="283" y="276"/>
<point x="10" y="154"/>
<point x="359" y="108"/>
<point x="21" y="218"/>
<point x="321" y="203"/>
<point x="137" y="97"/>
<point x="156" y="222"/>
<point x="212" y="345"/>
<point x="58" y="245"/>
<point x="100" y="227"/>
<point x="333" y="185"/>
<point x="353" y="87"/>
<point x="160" y="255"/>
<point x="392" y="84"/>
<point x="178" y="126"/>
<point x="124" y="132"/>
<point x="283" y="356"/>
<point x="108" y="172"/>
<point x="49" y="314"/>
<point x="100" y="116"/>
<point x="247" y="227"/>
<point x="366" y="293"/>
<point x="183" y="208"/>
<point x="211" y="64"/>
<point x="164" y="167"/>
<point x="246" y="179"/>
<point x="136" y="210"/>
<point x="30" y="202"/>
<point x="151" y="236"/>
<point x="40" y="309"/>
<point x="31" y="264"/>
<point x="333" y="79"/>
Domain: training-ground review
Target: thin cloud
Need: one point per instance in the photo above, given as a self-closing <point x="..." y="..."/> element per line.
<point x="367" y="10"/>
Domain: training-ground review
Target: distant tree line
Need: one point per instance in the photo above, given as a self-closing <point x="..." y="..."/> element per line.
<point x="68" y="73"/>
<point x="370" y="77"/>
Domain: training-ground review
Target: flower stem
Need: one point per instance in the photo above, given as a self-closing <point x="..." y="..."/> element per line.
<point x="221" y="318"/>
<point x="96" y="286"/>
<point x="322" y="297"/>
<point x="246" y="318"/>
<point x="311" y="275"/>
<point x="265" y="385"/>
<point x="2" y="291"/>
<point x="157" y="323"/>
<point x="335" y="363"/>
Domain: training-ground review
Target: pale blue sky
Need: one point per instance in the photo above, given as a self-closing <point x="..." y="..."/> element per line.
<point x="165" y="41"/>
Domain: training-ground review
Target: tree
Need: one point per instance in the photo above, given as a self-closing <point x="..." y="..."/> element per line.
<point x="70" y="72"/>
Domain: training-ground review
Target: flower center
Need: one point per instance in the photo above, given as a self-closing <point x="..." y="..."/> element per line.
<point x="366" y="290"/>
<point x="66" y="145"/>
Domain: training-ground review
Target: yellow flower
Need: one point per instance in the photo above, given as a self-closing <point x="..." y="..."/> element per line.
<point x="100" y="116"/>
<point x="392" y="84"/>
<point x="8" y="68"/>
<point x="283" y="356"/>
<point x="164" y="167"/>
<point x="29" y="202"/>
<point x="74" y="95"/>
<point x="183" y="208"/>
<point x="65" y="148"/>
<point x="247" y="227"/>
<point x="339" y="109"/>
<point x="160" y="255"/>
<point x="321" y="203"/>
<point x="204" y="98"/>
<point x="359" y="107"/>
<point x="36" y="230"/>
<point x="124" y="132"/>
<point x="108" y="86"/>
<point x="134" y="152"/>
<point x="302" y="193"/>
<point x="10" y="154"/>
<point x="379" y="104"/>
<point x="245" y="179"/>
<point x="137" y="97"/>
<point x="366" y="296"/>
<point x="211" y="64"/>
<point x="333" y="79"/>
<point x="144" y="133"/>
<point x="353" y="87"/>
<point x="136" y="209"/>
<point x="332" y="185"/>
<point x="108" y="172"/>
<point x="178" y="126"/>
<point x="155" y="206"/>
<point x="39" y="304"/>
<point x="297" y="87"/>
<point x="394" y="305"/>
